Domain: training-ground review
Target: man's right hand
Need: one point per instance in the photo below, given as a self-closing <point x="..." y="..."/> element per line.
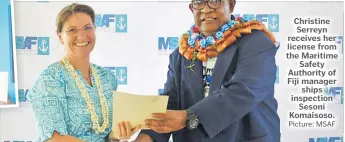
<point x="143" y="138"/>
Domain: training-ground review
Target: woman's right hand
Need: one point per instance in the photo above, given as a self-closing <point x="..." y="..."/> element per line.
<point x="125" y="131"/>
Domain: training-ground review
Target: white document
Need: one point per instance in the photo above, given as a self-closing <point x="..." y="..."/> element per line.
<point x="137" y="108"/>
<point x="3" y="87"/>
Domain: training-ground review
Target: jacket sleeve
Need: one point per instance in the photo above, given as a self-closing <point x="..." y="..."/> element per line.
<point x="252" y="81"/>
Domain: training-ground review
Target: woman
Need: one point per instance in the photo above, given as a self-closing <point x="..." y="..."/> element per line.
<point x="72" y="98"/>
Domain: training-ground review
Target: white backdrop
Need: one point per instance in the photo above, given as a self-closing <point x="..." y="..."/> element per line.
<point x="135" y="54"/>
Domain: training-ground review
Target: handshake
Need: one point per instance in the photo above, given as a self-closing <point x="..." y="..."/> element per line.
<point x="144" y="112"/>
<point x="172" y="120"/>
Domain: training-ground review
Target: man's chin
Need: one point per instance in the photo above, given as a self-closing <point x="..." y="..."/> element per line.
<point x="209" y="33"/>
<point x="209" y="30"/>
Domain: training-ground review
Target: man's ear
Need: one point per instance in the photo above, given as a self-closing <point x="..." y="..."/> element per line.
<point x="232" y="5"/>
<point x="190" y="7"/>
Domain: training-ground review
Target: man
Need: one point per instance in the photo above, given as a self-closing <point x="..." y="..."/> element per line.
<point x="235" y="102"/>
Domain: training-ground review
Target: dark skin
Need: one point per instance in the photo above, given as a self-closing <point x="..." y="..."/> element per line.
<point x="220" y="16"/>
<point x="208" y="21"/>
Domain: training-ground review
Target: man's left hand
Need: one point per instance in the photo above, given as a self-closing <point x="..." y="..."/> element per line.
<point x="172" y="120"/>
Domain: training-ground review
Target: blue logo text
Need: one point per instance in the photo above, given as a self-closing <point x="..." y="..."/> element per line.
<point x="41" y="44"/>
<point x="271" y="20"/>
<point x="116" y="22"/>
<point x="167" y="43"/>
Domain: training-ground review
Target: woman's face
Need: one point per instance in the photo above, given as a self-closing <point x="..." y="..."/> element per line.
<point x="78" y="35"/>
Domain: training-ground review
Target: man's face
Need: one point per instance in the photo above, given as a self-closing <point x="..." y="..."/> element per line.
<point x="210" y="15"/>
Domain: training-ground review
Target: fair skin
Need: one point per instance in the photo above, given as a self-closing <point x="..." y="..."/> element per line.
<point x="78" y="37"/>
<point x="208" y="21"/>
<point x="78" y="43"/>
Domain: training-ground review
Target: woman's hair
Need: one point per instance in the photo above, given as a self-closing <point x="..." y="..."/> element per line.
<point x="71" y="9"/>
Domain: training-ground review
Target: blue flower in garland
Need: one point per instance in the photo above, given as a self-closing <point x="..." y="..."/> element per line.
<point x="191" y="42"/>
<point x="224" y="28"/>
<point x="219" y="35"/>
<point x="189" y="32"/>
<point x="210" y="40"/>
<point x="245" y="19"/>
<point x="203" y="43"/>
<point x="231" y="23"/>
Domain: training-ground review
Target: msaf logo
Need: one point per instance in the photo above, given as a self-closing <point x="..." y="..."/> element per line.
<point x="32" y="45"/>
<point x="111" y="22"/>
<point x="167" y="44"/>
<point x="120" y="74"/>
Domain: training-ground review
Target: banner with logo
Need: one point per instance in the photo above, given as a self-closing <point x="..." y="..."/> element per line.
<point x="134" y="40"/>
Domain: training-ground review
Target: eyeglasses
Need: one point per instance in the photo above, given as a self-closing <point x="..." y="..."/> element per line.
<point x="200" y="4"/>
<point x="73" y="31"/>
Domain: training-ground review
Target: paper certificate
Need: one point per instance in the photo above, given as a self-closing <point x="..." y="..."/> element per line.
<point x="3" y="87"/>
<point x="136" y="108"/>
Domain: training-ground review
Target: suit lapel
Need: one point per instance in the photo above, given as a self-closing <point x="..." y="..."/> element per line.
<point x="223" y="62"/>
<point x="194" y="78"/>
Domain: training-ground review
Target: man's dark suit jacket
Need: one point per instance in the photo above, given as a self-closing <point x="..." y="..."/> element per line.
<point x="240" y="107"/>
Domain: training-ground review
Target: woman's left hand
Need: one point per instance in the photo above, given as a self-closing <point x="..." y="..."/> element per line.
<point x="125" y="131"/>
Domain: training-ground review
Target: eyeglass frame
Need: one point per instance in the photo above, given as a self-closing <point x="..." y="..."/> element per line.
<point x="204" y="4"/>
<point x="84" y="30"/>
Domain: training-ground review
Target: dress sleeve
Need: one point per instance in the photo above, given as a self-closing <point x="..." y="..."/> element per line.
<point x="48" y="100"/>
<point x="114" y="82"/>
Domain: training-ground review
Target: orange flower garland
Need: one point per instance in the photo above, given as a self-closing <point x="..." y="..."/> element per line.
<point x="229" y="37"/>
